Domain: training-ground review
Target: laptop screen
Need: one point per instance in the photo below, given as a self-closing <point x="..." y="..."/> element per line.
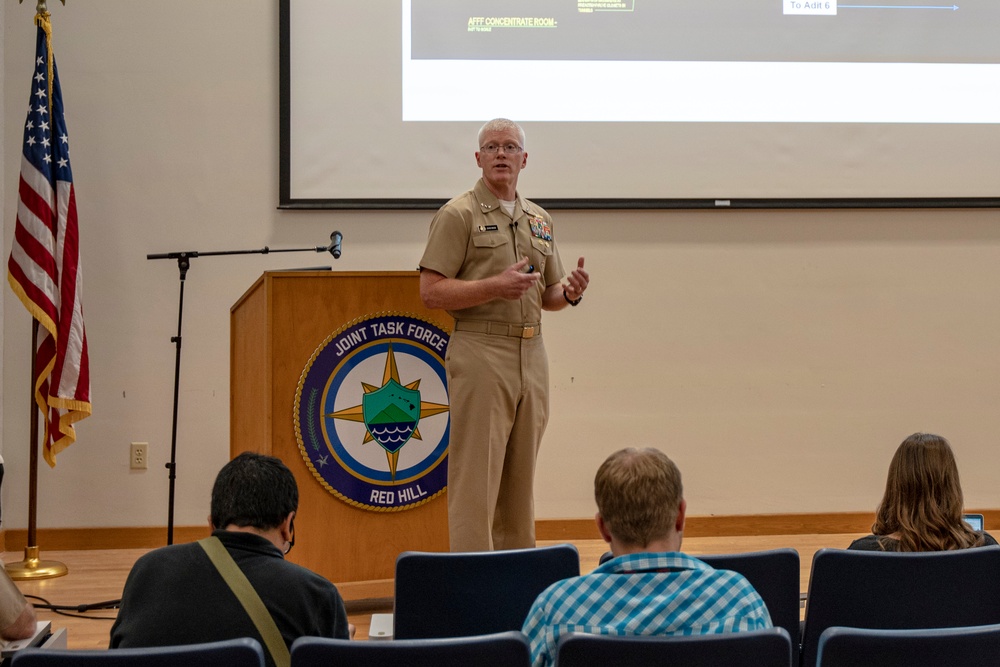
<point x="974" y="520"/>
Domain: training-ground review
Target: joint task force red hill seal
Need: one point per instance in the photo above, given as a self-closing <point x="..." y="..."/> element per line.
<point x="371" y="412"/>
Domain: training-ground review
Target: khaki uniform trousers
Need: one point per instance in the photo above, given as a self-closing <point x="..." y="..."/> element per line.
<point x="498" y="392"/>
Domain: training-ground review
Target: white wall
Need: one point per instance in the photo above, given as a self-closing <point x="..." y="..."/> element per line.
<point x="779" y="357"/>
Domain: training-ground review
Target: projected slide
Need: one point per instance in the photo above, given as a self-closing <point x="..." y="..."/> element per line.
<point x="801" y="61"/>
<point x="644" y="103"/>
<point x="720" y="30"/>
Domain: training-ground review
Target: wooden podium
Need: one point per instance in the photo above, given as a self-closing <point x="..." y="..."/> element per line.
<point x="275" y="327"/>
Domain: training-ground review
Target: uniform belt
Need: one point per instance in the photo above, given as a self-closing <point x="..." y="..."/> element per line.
<point x="500" y="328"/>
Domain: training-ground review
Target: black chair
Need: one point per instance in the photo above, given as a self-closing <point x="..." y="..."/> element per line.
<point x="776" y="575"/>
<point x="504" y="649"/>
<point x="462" y="594"/>
<point x="758" y="648"/>
<point x="245" y="652"/>
<point x="896" y="591"/>
<point x="955" y="647"/>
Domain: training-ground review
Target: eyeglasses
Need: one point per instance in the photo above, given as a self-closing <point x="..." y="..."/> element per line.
<point x="493" y="149"/>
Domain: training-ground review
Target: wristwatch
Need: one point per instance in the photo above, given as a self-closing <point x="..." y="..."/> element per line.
<point x="572" y="302"/>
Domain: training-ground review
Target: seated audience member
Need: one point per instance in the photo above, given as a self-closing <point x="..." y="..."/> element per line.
<point x="922" y="507"/>
<point x="175" y="595"/>
<point x="17" y="617"/>
<point x="649" y="587"/>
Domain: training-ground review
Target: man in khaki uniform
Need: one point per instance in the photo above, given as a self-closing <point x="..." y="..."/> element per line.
<point x="491" y="261"/>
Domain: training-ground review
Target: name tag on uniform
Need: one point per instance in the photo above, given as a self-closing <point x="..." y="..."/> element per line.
<point x="488" y="228"/>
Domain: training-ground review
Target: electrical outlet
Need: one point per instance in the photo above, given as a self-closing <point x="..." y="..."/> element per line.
<point x="138" y="456"/>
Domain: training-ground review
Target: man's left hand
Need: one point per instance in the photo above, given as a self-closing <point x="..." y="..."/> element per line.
<point x="578" y="281"/>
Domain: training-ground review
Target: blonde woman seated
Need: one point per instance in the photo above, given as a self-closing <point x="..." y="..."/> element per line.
<point x="922" y="506"/>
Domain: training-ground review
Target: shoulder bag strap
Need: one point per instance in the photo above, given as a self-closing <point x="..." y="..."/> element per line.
<point x="249" y="598"/>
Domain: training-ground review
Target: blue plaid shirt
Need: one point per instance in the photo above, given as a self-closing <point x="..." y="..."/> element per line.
<point x="644" y="594"/>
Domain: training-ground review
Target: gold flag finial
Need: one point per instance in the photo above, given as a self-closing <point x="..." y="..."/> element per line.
<point x="40" y="7"/>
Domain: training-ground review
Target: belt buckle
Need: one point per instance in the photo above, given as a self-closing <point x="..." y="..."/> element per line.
<point x="527" y="332"/>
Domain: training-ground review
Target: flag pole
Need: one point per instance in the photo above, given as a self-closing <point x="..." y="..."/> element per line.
<point x="32" y="567"/>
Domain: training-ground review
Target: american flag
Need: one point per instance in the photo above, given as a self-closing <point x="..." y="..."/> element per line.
<point x="44" y="266"/>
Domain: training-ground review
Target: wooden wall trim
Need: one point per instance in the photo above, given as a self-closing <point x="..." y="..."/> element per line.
<point x="827" y="523"/>
<point x="728" y="525"/>
<point x="72" y="539"/>
<point x="66" y="539"/>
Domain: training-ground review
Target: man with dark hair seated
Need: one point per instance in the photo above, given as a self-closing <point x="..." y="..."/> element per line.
<point x="178" y="594"/>
<point x="649" y="587"/>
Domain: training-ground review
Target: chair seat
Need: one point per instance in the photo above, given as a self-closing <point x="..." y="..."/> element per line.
<point x="505" y="649"/>
<point x="899" y="591"/>
<point x="758" y="648"/>
<point x="956" y="647"/>
<point x="243" y="652"/>
<point x="463" y="594"/>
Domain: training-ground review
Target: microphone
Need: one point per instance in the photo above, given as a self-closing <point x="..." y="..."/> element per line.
<point x="335" y="239"/>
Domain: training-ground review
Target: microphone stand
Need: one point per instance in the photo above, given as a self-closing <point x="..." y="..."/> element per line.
<point x="183" y="264"/>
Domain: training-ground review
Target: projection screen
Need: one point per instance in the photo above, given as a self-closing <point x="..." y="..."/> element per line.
<point x="644" y="103"/>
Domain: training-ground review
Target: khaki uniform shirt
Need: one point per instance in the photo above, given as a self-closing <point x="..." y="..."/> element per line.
<point x="472" y="237"/>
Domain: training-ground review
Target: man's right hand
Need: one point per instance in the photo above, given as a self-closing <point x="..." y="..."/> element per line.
<point x="516" y="280"/>
<point x="437" y="291"/>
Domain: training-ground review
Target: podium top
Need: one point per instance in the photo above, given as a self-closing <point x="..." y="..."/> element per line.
<point x="271" y="276"/>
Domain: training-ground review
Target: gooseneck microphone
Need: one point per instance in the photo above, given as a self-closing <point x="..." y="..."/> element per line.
<point x="335" y="240"/>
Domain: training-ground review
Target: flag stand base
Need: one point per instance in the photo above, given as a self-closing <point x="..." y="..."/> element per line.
<point x="33" y="568"/>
